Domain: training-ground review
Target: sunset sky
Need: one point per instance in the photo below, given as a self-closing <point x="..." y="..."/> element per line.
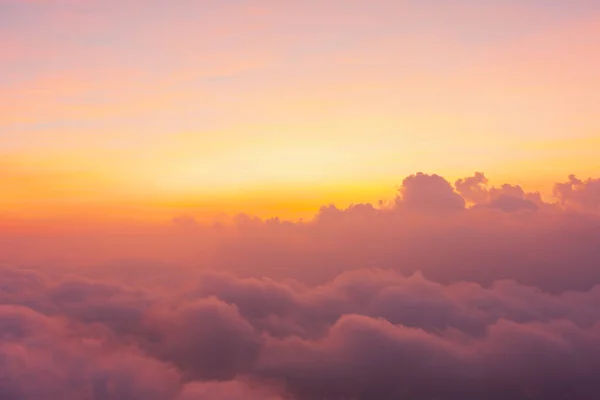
<point x="299" y="199"/>
<point x="276" y="107"/>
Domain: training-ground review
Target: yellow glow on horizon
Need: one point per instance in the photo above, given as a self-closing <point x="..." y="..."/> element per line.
<point x="284" y="119"/>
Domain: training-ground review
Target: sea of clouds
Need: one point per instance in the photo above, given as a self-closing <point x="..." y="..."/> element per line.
<point x="450" y="291"/>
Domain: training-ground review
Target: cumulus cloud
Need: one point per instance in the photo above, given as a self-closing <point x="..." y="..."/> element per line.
<point x="206" y="339"/>
<point x="579" y="194"/>
<point x="363" y="357"/>
<point x="429" y="193"/>
<point x="473" y="188"/>
<point x="507" y="198"/>
<point x="426" y="298"/>
<point x="40" y="357"/>
<point x="366" y="334"/>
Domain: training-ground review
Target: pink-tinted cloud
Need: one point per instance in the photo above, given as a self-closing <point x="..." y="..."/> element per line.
<point x="367" y="333"/>
<point x="430" y="193"/>
<point x="473" y="188"/>
<point x="421" y="298"/>
<point x="579" y="194"/>
<point x="40" y="357"/>
<point x="207" y="339"/>
<point x="508" y="198"/>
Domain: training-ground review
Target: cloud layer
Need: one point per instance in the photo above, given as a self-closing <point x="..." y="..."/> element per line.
<point x="449" y="292"/>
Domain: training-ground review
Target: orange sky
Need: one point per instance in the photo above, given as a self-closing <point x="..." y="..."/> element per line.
<point x="274" y="108"/>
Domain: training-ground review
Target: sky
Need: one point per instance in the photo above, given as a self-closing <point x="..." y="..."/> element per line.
<point x="299" y="200"/>
<point x="276" y="107"/>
